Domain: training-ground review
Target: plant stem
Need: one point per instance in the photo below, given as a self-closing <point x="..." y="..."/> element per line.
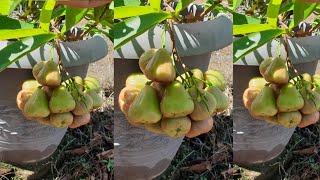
<point x="209" y="9"/>
<point x="174" y="50"/>
<point x="95" y="24"/>
<point x="315" y="27"/>
<point x="286" y="46"/>
<point x="61" y="67"/>
<point x="289" y="63"/>
<point x="176" y="56"/>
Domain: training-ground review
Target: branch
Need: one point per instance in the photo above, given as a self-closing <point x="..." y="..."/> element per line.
<point x="286" y="46"/>
<point x="210" y="8"/>
<point x="95" y="24"/>
<point x="57" y="44"/>
<point x="314" y="27"/>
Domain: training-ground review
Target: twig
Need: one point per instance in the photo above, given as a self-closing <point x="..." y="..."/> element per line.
<point x="174" y="50"/>
<point x="210" y="8"/>
<point x="314" y="27"/>
<point x="170" y="9"/>
<point x="95" y="24"/>
<point x="54" y="27"/>
<point x="286" y="46"/>
<point x="168" y="6"/>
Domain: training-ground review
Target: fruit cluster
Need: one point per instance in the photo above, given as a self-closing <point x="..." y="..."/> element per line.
<point x="48" y="100"/>
<point x="277" y="100"/>
<point x="172" y="105"/>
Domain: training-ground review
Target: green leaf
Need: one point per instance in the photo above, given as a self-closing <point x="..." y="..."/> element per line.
<point x="9" y="23"/>
<point x="155" y="4"/>
<point x="107" y="32"/>
<point x="250" y="28"/>
<point x="107" y="23"/>
<point x="119" y="3"/>
<point x="129" y="11"/>
<point x="7" y="6"/>
<point x="60" y="11"/>
<point x="247" y="44"/>
<point x="301" y="11"/>
<point x="73" y="17"/>
<point x="239" y="19"/>
<point x="19" y="33"/>
<point x="16" y="50"/>
<point x="46" y="13"/>
<point x="182" y="4"/>
<point x="108" y="16"/>
<point x="286" y="7"/>
<point x="236" y="4"/>
<point x="127" y="30"/>
<point x="273" y="12"/>
<point x="98" y="12"/>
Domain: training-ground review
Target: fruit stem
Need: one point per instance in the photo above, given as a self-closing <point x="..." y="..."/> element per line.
<point x="207" y="83"/>
<point x="177" y="57"/>
<point x="175" y="54"/>
<point x="163" y="35"/>
<point x="148" y="83"/>
<point x="72" y="86"/>
<point x="289" y="63"/>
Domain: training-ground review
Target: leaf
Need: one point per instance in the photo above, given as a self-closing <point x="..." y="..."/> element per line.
<point x="127" y="11"/>
<point x="60" y="11"/>
<point x="46" y="13"/>
<point x="273" y="12"/>
<point x="106" y="154"/>
<point x="204" y="166"/>
<point x="9" y="23"/>
<point x="119" y="3"/>
<point x="181" y="5"/>
<point x="250" y="28"/>
<point x="228" y="173"/>
<point x="78" y="151"/>
<point x="236" y="4"/>
<point x="19" y="33"/>
<point x="98" y="12"/>
<point x="308" y="151"/>
<point x="239" y="19"/>
<point x="247" y="44"/>
<point x="301" y="11"/>
<point x="127" y="30"/>
<point x="107" y="32"/>
<point x="286" y="7"/>
<point x="7" y="6"/>
<point x="155" y="4"/>
<point x="73" y="17"/>
<point x="16" y="50"/>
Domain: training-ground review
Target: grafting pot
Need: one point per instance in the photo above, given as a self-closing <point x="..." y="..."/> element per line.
<point x="23" y="142"/>
<point x="140" y="154"/>
<point x="255" y="141"/>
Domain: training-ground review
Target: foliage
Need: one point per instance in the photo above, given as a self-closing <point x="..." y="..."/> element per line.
<point x="134" y="17"/>
<point x="268" y="20"/>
